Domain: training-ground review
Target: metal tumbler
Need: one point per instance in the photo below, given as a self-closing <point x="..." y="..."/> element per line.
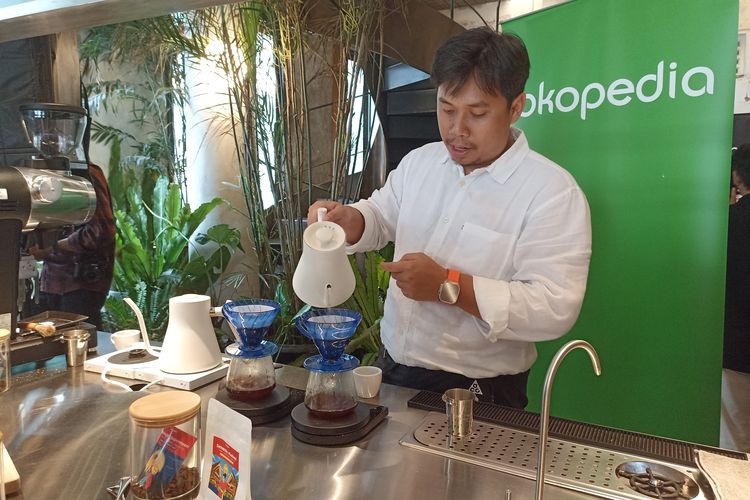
<point x="76" y="345"/>
<point x="459" y="407"/>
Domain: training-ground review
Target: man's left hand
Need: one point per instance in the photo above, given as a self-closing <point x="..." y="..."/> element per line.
<point x="417" y="275"/>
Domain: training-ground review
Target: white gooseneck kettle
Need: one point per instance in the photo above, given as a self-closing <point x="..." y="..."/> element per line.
<point x="190" y="345"/>
<point x="323" y="277"/>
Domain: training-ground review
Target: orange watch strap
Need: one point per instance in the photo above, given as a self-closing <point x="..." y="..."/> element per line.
<point x="453" y="275"/>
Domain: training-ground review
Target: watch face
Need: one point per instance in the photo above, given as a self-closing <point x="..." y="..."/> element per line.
<point x="448" y="292"/>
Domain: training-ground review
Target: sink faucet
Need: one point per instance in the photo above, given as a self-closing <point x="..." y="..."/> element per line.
<point x="544" y="424"/>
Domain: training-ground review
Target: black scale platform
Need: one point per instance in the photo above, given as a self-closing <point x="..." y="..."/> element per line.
<point x="275" y="407"/>
<point x="336" y="432"/>
<point x="306" y="427"/>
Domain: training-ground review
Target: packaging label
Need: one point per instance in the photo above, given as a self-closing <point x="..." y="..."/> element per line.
<point x="170" y="451"/>
<point x="224" y="470"/>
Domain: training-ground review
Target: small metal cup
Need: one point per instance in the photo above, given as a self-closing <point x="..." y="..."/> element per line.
<point x="459" y="407"/>
<point x="76" y="346"/>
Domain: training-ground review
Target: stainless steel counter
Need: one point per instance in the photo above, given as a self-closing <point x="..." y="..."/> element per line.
<point x="68" y="436"/>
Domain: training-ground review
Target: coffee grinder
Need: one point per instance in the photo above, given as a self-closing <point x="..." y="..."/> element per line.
<point x="40" y="195"/>
<point x="331" y="414"/>
<point x="250" y="386"/>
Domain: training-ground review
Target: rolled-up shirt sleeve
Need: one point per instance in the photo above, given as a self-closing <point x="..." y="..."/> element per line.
<point x="542" y="299"/>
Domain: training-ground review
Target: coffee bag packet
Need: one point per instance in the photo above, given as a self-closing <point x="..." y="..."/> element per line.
<point x="170" y="450"/>
<point x="226" y="459"/>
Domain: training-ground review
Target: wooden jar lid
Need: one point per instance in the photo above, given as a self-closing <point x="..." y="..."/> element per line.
<point x="163" y="409"/>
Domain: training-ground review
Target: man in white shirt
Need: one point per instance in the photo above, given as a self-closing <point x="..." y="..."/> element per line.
<point x="492" y="240"/>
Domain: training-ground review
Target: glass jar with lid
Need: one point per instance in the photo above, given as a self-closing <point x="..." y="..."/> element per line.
<point x="165" y="446"/>
<point x="4" y="359"/>
<point x="2" y="469"/>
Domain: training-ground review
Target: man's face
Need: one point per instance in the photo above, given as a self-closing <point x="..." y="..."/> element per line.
<point x="475" y="125"/>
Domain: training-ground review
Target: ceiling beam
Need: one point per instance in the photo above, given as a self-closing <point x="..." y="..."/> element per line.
<point x="412" y="38"/>
<point x="42" y="17"/>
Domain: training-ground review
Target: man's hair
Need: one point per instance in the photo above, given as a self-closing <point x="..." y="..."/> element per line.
<point x="741" y="163"/>
<point x="498" y="61"/>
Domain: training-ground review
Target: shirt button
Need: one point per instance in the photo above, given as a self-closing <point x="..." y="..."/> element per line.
<point x="445" y="219"/>
<point x="461" y="184"/>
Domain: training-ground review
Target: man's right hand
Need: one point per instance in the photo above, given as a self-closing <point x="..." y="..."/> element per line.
<point x="39" y="253"/>
<point x="349" y="218"/>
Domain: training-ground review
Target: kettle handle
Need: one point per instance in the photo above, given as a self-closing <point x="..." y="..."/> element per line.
<point x="322" y="214"/>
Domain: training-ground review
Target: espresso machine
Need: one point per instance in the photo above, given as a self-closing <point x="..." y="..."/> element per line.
<point x="40" y="197"/>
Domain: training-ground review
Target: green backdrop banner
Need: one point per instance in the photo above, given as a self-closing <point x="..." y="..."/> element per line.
<point x="635" y="100"/>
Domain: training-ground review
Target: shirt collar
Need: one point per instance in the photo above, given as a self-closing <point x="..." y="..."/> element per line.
<point x="502" y="168"/>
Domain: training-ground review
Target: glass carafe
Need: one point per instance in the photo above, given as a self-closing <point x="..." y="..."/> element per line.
<point x="251" y="374"/>
<point x="330" y="392"/>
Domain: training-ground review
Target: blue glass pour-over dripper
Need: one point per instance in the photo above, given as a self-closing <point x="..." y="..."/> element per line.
<point x="249" y="321"/>
<point x="331" y="330"/>
<point x="251" y="375"/>
<point x="330" y="391"/>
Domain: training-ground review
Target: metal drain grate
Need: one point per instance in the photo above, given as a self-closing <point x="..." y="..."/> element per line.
<point x="669" y="450"/>
<point x="569" y="465"/>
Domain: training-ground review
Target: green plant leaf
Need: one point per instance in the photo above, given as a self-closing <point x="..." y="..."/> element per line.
<point x="223" y="234"/>
<point x="302" y="311"/>
<point x="282" y="297"/>
<point x="152" y="269"/>
<point x="196" y="275"/>
<point x="173" y="208"/>
<point x="197" y="217"/>
<point x="136" y="212"/>
<point x="159" y="203"/>
<point x="133" y="255"/>
<point x="369" y="358"/>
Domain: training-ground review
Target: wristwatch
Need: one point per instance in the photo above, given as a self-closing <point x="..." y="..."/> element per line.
<point x="449" y="289"/>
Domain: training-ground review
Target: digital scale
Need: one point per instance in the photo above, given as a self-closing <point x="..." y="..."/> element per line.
<point x="135" y="363"/>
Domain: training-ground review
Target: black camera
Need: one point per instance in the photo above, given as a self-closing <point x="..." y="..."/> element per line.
<point x="88" y="272"/>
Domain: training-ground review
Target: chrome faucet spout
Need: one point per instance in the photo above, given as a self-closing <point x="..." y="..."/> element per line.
<point x="544" y="424"/>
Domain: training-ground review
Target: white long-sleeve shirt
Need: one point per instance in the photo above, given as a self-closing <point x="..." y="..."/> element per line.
<point x="520" y="227"/>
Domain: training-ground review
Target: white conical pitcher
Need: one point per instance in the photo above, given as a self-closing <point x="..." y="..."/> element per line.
<point x="323" y="277"/>
<point x="190" y="344"/>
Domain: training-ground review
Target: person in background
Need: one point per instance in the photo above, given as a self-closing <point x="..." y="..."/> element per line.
<point x="77" y="271"/>
<point x="492" y="240"/>
<point x="735" y="379"/>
